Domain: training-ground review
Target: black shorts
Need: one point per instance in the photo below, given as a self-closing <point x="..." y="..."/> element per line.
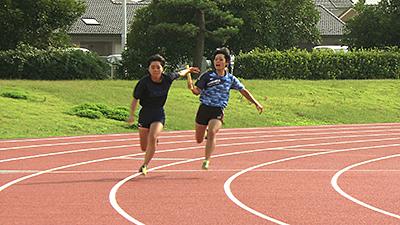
<point x="207" y="113"/>
<point x="149" y="115"/>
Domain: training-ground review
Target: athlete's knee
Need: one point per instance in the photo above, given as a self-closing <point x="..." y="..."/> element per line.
<point x="152" y="138"/>
<point x="143" y="147"/>
<point x="199" y="139"/>
<point x="212" y="133"/>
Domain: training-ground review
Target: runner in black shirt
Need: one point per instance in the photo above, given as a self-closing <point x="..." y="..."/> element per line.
<point x="152" y="91"/>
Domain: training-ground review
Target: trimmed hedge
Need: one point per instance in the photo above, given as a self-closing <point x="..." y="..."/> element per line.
<point x="14" y="94"/>
<point x="300" y="64"/>
<point x="96" y="111"/>
<point x="51" y="64"/>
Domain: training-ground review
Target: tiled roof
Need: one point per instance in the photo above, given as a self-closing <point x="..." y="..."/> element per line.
<point x="337" y="7"/>
<point x="329" y="24"/>
<point x="109" y="15"/>
<point x="334" y="4"/>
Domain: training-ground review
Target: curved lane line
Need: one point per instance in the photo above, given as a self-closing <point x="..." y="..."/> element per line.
<point x="289" y="128"/>
<point x="221" y="145"/>
<point x="344" y="194"/>
<point x="240" y="204"/>
<point x="113" y="192"/>
<point x="59" y="168"/>
<point x="66" y="152"/>
<point x="84" y="163"/>
<point x="244" y="132"/>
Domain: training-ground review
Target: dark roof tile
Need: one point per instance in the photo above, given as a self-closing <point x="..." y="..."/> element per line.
<point x="108" y="14"/>
<point x="329" y="24"/>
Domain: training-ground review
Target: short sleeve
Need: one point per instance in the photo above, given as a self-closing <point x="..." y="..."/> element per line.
<point x="172" y="76"/>
<point x="202" y="80"/>
<point x="236" y="84"/>
<point x="139" y="89"/>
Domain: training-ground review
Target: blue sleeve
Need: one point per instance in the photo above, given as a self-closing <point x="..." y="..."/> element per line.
<point x="236" y="84"/>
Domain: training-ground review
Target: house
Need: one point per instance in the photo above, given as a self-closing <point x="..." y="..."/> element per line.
<point x="334" y="14"/>
<point x="100" y="27"/>
<point x="340" y="8"/>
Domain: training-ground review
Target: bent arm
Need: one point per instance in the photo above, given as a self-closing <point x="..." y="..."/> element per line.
<point x="131" y="118"/>
<point x="189" y="70"/>
<point x="195" y="90"/>
<point x="250" y="97"/>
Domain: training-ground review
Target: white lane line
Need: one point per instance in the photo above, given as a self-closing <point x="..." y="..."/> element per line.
<point x="344" y="194"/>
<point x="119" y="157"/>
<point x="241" y="131"/>
<point x="78" y="137"/>
<point x="63" y="138"/>
<point x="66" y="143"/>
<point x="220" y="145"/>
<point x="54" y="169"/>
<point x="67" y="152"/>
<point x="113" y="192"/>
<point x="187" y="171"/>
<point x="193" y="141"/>
<point x="227" y="184"/>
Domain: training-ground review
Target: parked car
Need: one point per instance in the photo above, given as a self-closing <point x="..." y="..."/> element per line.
<point x="80" y="49"/>
<point x="114" y="59"/>
<point x="336" y="48"/>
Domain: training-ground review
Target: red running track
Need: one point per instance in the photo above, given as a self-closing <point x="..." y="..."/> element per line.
<point x="336" y="174"/>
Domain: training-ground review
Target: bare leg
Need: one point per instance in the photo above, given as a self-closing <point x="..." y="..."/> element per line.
<point x="200" y="132"/>
<point x="154" y="131"/>
<point x="213" y="127"/>
<point x="143" y="136"/>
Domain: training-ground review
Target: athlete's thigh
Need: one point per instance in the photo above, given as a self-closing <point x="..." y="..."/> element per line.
<point x="200" y="132"/>
<point x="155" y="129"/>
<point x="213" y="126"/>
<point x="143" y="136"/>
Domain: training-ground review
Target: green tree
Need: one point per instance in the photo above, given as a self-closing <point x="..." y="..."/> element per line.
<point x="189" y="29"/>
<point x="375" y="26"/>
<point x="178" y="29"/>
<point x="39" y="23"/>
<point x="275" y="24"/>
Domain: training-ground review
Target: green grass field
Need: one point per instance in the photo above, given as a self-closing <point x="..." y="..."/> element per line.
<point x="286" y="103"/>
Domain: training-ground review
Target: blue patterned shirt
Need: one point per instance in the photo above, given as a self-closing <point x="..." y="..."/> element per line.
<point x="215" y="89"/>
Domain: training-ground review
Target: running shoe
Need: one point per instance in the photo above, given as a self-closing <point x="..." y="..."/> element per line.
<point x="206" y="165"/>
<point x="143" y="169"/>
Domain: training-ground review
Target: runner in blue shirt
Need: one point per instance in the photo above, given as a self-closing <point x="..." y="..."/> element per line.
<point x="152" y="91"/>
<point x="213" y="87"/>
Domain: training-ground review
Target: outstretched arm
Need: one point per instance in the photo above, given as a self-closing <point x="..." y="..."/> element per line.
<point x="189" y="70"/>
<point x="250" y="97"/>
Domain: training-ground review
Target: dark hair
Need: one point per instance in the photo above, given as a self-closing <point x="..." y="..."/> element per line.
<point x="225" y="51"/>
<point x="154" y="58"/>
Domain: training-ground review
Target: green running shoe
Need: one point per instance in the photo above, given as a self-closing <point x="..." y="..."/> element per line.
<point x="143" y="169"/>
<point x="206" y="165"/>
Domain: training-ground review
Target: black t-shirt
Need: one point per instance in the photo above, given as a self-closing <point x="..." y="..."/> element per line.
<point x="152" y="94"/>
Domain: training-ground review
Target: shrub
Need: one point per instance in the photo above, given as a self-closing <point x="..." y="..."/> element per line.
<point x="51" y="64"/>
<point x="14" y="94"/>
<point x="296" y="64"/>
<point x="119" y="114"/>
<point x="95" y="111"/>
<point x="84" y="106"/>
<point x="104" y="109"/>
<point x="89" y="114"/>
